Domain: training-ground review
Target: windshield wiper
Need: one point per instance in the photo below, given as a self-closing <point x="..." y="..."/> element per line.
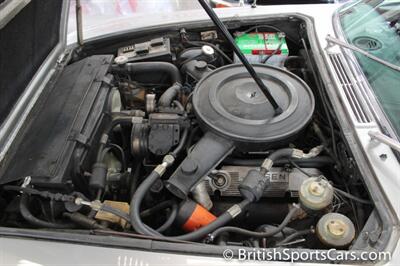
<point x="331" y="39"/>
<point x="392" y="143"/>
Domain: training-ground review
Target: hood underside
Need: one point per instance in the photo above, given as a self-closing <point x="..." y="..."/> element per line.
<point x="25" y="42"/>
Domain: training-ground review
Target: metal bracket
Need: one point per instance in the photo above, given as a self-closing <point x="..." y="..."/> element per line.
<point x="80" y="138"/>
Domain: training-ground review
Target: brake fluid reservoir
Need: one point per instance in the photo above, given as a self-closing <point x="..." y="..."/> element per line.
<point x="335" y="230"/>
<point x="316" y="194"/>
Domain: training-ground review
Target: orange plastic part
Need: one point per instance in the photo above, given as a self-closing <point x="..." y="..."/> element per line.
<point x="199" y="218"/>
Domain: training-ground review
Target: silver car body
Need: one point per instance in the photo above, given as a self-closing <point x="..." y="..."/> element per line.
<point x="383" y="173"/>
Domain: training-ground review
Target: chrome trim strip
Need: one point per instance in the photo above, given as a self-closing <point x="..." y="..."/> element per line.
<point x="9" y="9"/>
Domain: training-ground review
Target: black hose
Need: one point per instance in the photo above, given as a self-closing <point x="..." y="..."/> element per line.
<point x="28" y="216"/>
<point x="284" y="231"/>
<point x="299" y="168"/>
<point x="281" y="153"/>
<point x="316" y="162"/>
<point x="269" y="233"/>
<point x="136" y="201"/>
<point x="324" y="99"/>
<point x="156" y="208"/>
<point x="84" y="220"/>
<point x="294" y="236"/>
<point x="120" y="120"/>
<point x="169" y="95"/>
<point x="220" y="221"/>
<point x="181" y="144"/>
<point x="223" y="219"/>
<point x="141" y="228"/>
<point x="117" y="148"/>
<point x="171" y="218"/>
<point x="152" y="67"/>
<point x="161" y="206"/>
<point x="348" y="195"/>
<point x="274" y="52"/>
<point x="162" y="228"/>
<point x="179" y="106"/>
<point x="137" y="198"/>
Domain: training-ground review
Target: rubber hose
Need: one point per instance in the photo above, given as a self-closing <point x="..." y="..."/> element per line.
<point x="181" y="144"/>
<point x="83" y="220"/>
<point x="171" y="218"/>
<point x="316" y="162"/>
<point x="281" y="153"/>
<point x="28" y="216"/>
<point x="137" y="198"/>
<point x="169" y="95"/>
<point x="155" y="209"/>
<point x="116" y="121"/>
<point x="294" y="236"/>
<point x="152" y="67"/>
<point x="241" y="231"/>
<point x="136" y="201"/>
<point x="140" y="227"/>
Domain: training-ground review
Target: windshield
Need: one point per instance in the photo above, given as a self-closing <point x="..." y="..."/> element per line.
<point x="374" y="26"/>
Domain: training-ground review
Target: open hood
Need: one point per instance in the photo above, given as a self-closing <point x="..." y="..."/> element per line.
<point x="32" y="37"/>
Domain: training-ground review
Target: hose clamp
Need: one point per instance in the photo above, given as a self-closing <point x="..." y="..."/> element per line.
<point x="267" y="164"/>
<point x="234" y="211"/>
<point x="96" y="205"/>
<point x="27" y="181"/>
<point x="299" y="154"/>
<point x="104" y="139"/>
<point x="160" y="169"/>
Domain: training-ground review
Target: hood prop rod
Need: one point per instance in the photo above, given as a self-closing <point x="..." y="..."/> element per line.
<point x="79" y="30"/>
<point x="218" y="23"/>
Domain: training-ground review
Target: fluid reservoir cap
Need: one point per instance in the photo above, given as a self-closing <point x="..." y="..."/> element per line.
<point x="207" y="50"/>
<point x="316" y="193"/>
<point x="201" y="65"/>
<point x="121" y="60"/>
<point x="335" y="230"/>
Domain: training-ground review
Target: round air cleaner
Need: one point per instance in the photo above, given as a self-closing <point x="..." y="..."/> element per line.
<point x="229" y="103"/>
<point x="234" y="113"/>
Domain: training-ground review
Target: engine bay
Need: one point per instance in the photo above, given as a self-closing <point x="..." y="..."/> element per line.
<point x="166" y="136"/>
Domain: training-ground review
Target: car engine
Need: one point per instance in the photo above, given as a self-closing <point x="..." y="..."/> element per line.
<point x="169" y="137"/>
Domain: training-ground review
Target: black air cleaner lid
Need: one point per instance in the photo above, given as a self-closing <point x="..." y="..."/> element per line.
<point x="229" y="103"/>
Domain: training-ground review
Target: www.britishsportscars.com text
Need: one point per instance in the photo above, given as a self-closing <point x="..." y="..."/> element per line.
<point x="296" y="255"/>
